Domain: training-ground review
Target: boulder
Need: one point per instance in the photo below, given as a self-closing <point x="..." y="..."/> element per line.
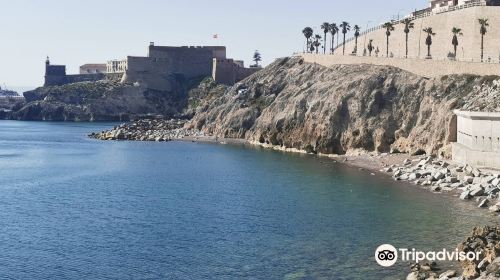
<point x="465" y="195"/>
<point x="483" y="203"/>
<point x="476" y="190"/>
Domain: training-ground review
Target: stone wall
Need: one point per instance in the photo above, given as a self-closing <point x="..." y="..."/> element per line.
<point x="162" y="61"/>
<point x="469" y="48"/>
<point x="423" y="67"/>
<point x="478" y="139"/>
<point x="229" y="72"/>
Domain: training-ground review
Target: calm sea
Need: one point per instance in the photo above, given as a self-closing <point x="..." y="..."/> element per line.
<point x="76" y="208"/>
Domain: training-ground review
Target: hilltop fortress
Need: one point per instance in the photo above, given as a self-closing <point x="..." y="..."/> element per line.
<point x="152" y="70"/>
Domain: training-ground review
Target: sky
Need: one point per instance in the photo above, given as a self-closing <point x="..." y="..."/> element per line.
<point x="75" y="32"/>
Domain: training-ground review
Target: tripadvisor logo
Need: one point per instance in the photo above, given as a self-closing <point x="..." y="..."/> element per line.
<point x="387" y="255"/>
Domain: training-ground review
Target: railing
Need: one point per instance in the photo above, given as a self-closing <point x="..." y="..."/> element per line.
<point x="476" y="3"/>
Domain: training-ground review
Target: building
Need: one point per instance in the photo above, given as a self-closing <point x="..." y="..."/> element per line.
<point x="153" y="71"/>
<point x="478" y="139"/>
<point x="116" y="66"/>
<point x="188" y="62"/>
<point x="229" y="71"/>
<point x="55" y="75"/>
<point x="93" y="68"/>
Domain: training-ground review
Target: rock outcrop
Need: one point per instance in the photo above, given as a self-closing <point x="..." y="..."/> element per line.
<point x="107" y="100"/>
<point x="345" y="109"/>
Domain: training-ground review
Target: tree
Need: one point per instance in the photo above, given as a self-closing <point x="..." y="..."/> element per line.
<point x="317" y="42"/>
<point x="334" y="29"/>
<point x="257" y="58"/>
<point x="326" y="27"/>
<point x="370" y="47"/>
<point x="456" y="32"/>
<point x="308" y="33"/>
<point x="356" y="35"/>
<point x="409" y="24"/>
<point x="388" y="26"/>
<point x="428" y="40"/>
<point x="345" y="27"/>
<point x="484" y="23"/>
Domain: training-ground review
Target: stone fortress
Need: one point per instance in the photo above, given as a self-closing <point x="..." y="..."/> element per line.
<point x="152" y="70"/>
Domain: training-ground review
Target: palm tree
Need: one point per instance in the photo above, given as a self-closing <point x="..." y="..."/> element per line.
<point x="428" y="40"/>
<point x="308" y="32"/>
<point x="345" y="27"/>
<point x="257" y="58"/>
<point x="484" y="23"/>
<point x="317" y="42"/>
<point x="370" y="47"/>
<point x="356" y="35"/>
<point x="456" y="32"/>
<point x="389" y="26"/>
<point x="326" y="27"/>
<point x="409" y="24"/>
<point x="334" y="29"/>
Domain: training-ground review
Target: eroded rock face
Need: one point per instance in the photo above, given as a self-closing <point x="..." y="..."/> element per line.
<point x="345" y="109"/>
<point x="107" y="100"/>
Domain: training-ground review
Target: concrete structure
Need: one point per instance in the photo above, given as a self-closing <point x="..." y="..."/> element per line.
<point x="229" y="72"/>
<point x="116" y="66"/>
<point x="478" y="139"/>
<point x="464" y="15"/>
<point x="429" y="68"/>
<point x="93" y="68"/>
<point x="55" y="75"/>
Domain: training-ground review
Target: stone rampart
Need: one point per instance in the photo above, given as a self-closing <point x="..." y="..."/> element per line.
<point x="469" y="48"/>
<point x="423" y="67"/>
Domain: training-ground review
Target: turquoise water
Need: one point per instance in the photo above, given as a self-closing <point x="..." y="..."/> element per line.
<point x="76" y="208"/>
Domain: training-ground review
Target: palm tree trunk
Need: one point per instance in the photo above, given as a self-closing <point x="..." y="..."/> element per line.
<point x="406" y="45"/>
<point x="387" y="50"/>
<point x="455" y="51"/>
<point x="356" y="45"/>
<point x="324" y="44"/>
<point x="333" y="39"/>
<point x="482" y="47"/>
<point x="343" y="51"/>
<point x="428" y="51"/>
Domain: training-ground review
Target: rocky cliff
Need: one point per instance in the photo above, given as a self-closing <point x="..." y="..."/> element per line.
<point x="344" y="109"/>
<point x="107" y="100"/>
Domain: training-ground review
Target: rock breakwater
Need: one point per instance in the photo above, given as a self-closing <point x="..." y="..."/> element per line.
<point x="149" y="130"/>
<point x="439" y="176"/>
<point x="485" y="241"/>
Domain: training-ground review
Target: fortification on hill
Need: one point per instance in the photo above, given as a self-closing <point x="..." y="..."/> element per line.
<point x="151" y="70"/>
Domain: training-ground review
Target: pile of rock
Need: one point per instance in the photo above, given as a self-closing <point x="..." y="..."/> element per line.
<point x="428" y="271"/>
<point x="486" y="242"/>
<point x="440" y="176"/>
<point x="149" y="130"/>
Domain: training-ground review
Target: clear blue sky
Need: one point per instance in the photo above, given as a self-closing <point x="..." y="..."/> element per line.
<point x="77" y="32"/>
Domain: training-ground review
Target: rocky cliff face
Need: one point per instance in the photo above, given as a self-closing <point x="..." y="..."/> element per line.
<point x="107" y="100"/>
<point x="344" y="109"/>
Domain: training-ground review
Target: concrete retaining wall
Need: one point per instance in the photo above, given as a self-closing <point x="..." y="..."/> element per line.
<point x="422" y="67"/>
<point x="478" y="139"/>
<point x="469" y="48"/>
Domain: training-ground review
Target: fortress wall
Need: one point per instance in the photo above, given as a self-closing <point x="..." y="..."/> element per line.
<point x="70" y="79"/>
<point x="229" y="72"/>
<point x="469" y="43"/>
<point x="423" y="67"/>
